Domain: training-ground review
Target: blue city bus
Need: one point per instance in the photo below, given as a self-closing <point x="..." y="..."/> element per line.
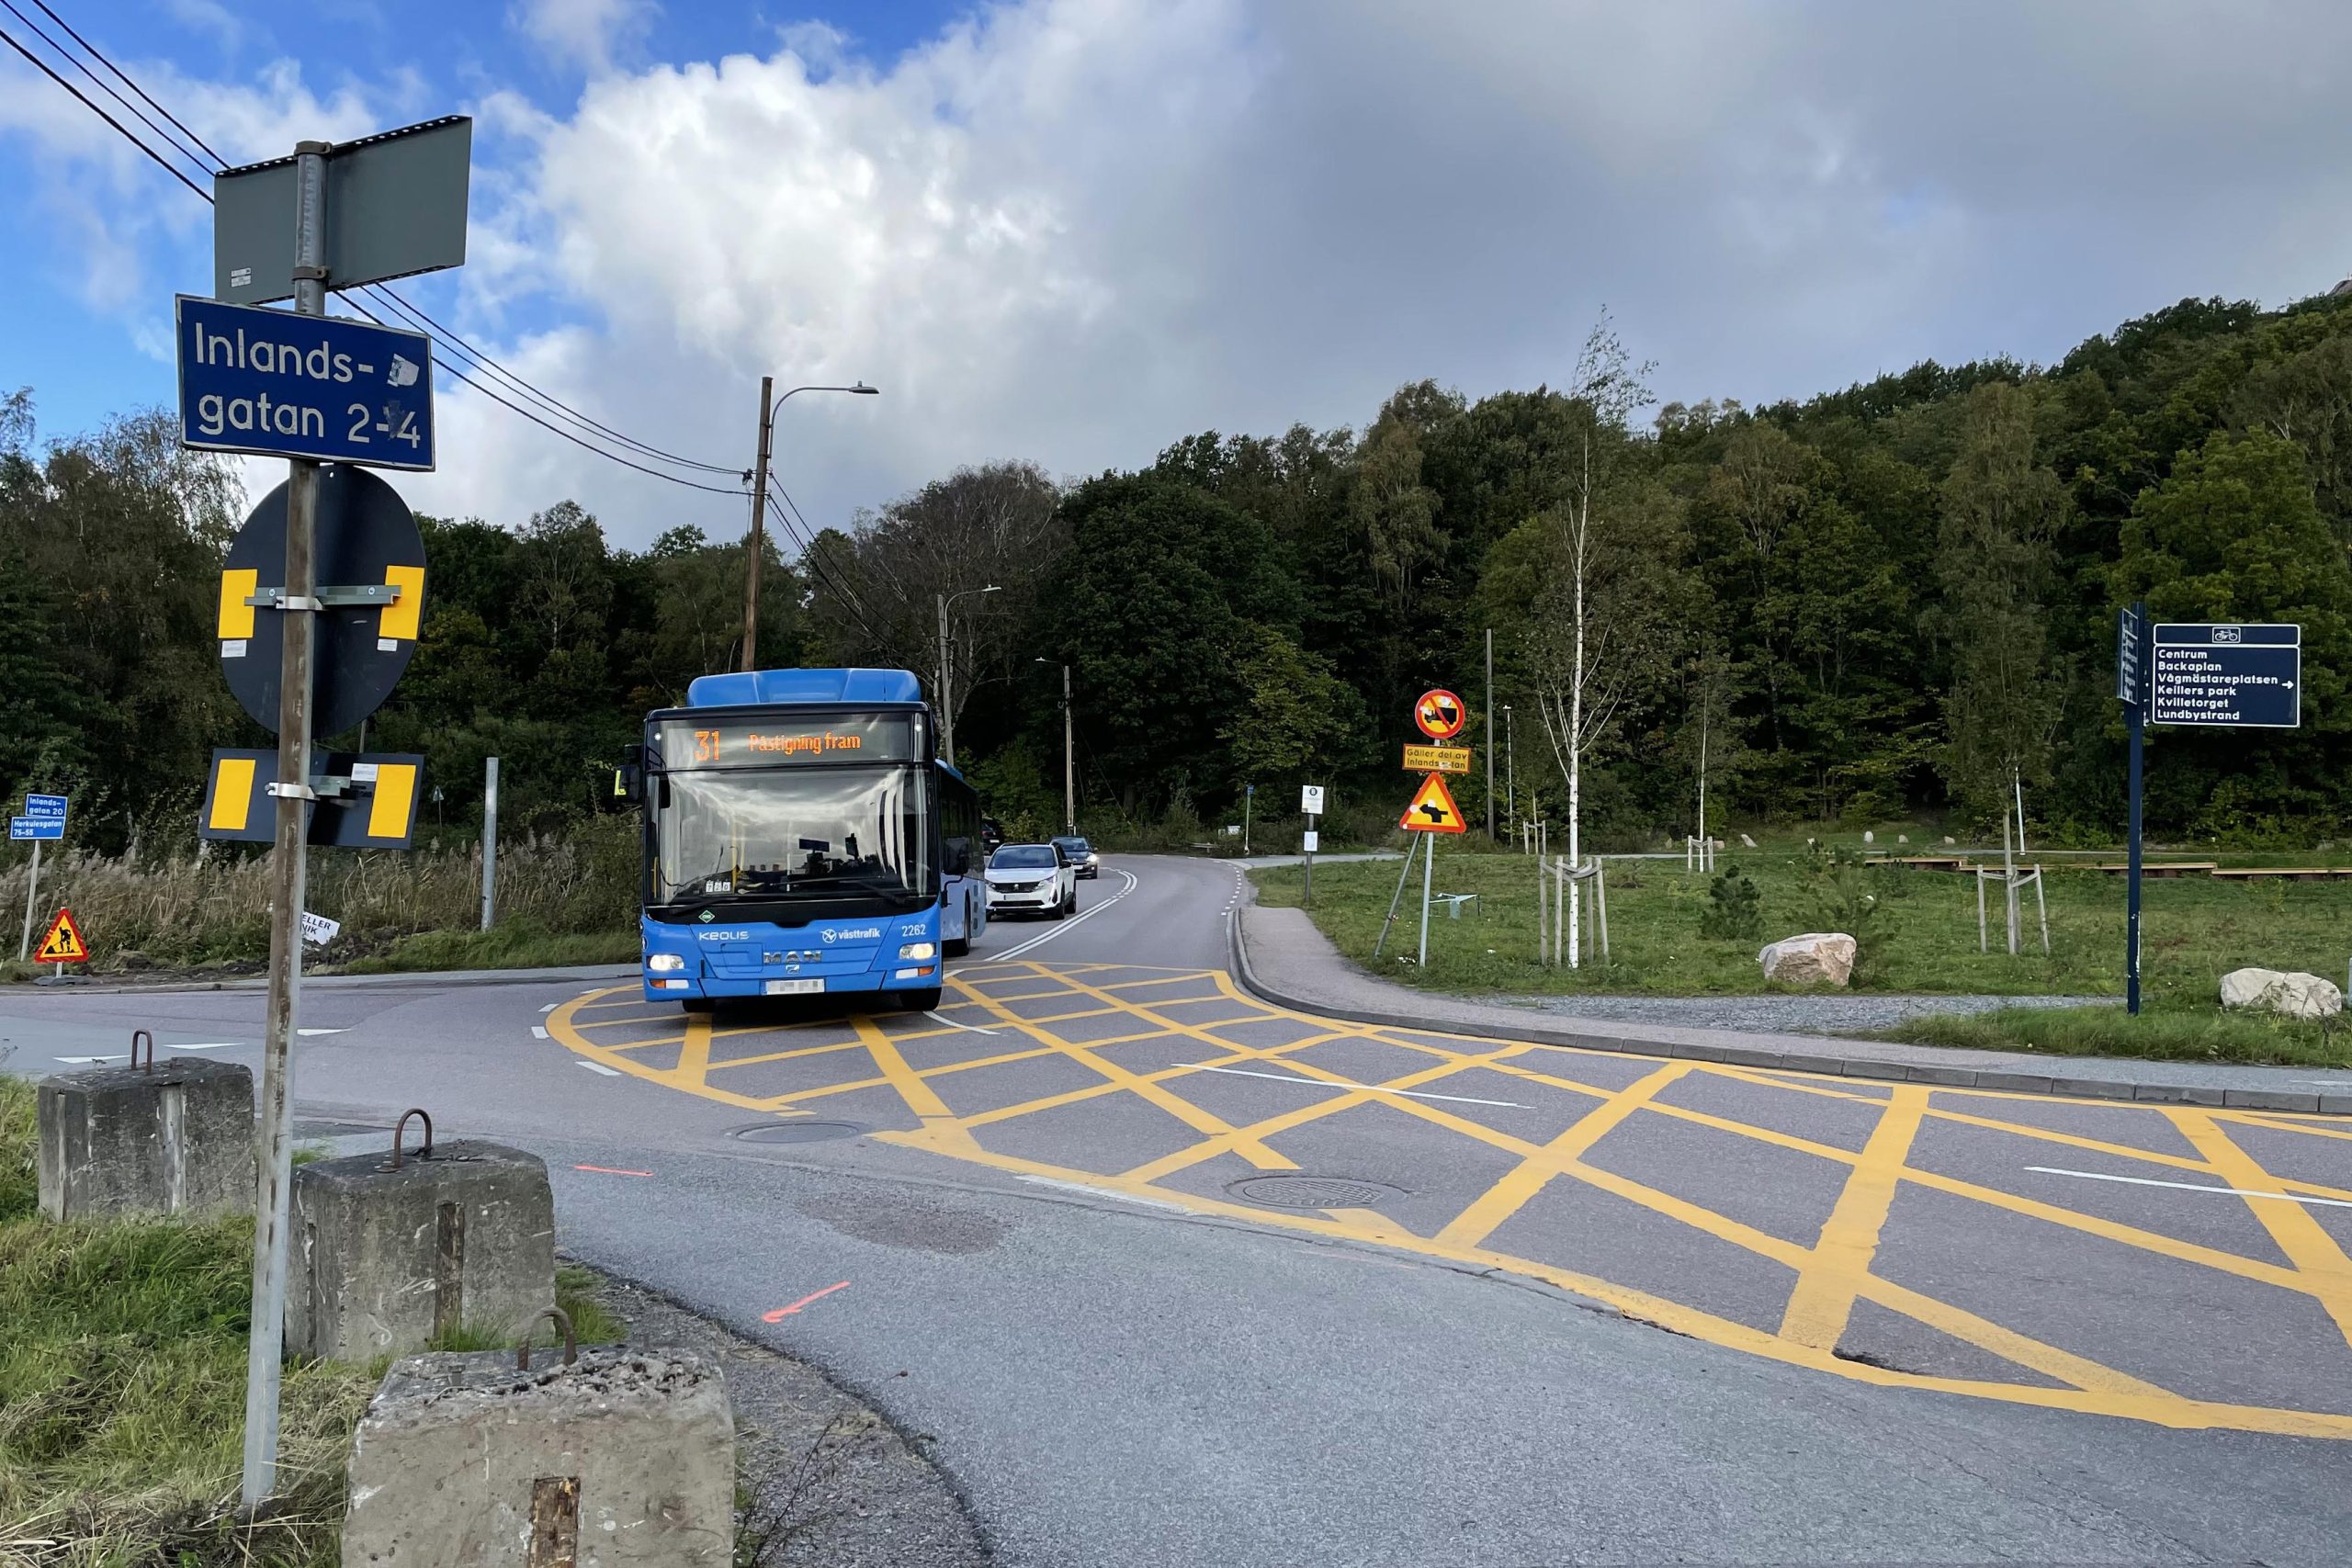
<point x="802" y="837"/>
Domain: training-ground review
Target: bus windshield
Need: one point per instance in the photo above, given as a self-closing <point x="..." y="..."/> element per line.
<point x="780" y="832"/>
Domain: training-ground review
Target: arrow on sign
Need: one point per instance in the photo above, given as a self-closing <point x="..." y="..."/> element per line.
<point x="1432" y="810"/>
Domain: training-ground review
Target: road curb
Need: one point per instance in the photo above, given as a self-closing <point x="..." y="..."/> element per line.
<point x="1826" y="1064"/>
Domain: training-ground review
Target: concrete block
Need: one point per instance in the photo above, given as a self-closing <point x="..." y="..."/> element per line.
<point x="2268" y="1099"/>
<point x="384" y="1259"/>
<point x="1692" y="1050"/>
<point x="2014" y="1083"/>
<point x="2180" y="1094"/>
<point x="1872" y="1067"/>
<point x="1957" y="1078"/>
<point x="1803" y="1062"/>
<point x="1750" y="1056"/>
<point x="2093" y="1088"/>
<point x="624" y="1458"/>
<point x="177" y="1138"/>
<point x="2335" y="1104"/>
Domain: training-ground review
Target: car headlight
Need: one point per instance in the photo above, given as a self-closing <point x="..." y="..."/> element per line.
<point x="662" y="963"/>
<point x="918" y="950"/>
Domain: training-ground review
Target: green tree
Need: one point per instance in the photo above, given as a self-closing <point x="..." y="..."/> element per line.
<point x="1298" y="719"/>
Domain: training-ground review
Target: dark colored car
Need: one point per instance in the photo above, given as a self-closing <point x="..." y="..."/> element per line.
<point x="1081" y="854"/>
<point x="992" y="835"/>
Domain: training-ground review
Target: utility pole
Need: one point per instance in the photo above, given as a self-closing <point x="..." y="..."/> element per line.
<point x="289" y="868"/>
<point x="757" y="541"/>
<point x="489" y="842"/>
<point x="757" y="545"/>
<point x="946" y="670"/>
<point x="1488" y="735"/>
<point x="1069" y="761"/>
<point x="946" y="704"/>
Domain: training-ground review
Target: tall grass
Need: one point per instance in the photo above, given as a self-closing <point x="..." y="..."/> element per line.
<point x="212" y="906"/>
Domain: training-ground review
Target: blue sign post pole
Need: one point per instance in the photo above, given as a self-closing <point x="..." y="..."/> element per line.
<point x="2132" y="679"/>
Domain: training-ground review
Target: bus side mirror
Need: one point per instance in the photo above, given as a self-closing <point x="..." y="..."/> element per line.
<point x="629" y="779"/>
<point x="960" y="857"/>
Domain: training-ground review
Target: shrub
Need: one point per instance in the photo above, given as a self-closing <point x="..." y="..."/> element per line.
<point x="1734" y="910"/>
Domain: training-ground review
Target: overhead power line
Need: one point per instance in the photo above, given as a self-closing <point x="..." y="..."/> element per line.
<point x="466" y="351"/>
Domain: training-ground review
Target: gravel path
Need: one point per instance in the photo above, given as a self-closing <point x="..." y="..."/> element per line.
<point x="1789" y="1014"/>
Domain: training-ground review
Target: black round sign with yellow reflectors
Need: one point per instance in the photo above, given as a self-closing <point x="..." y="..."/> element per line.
<point x="370" y="572"/>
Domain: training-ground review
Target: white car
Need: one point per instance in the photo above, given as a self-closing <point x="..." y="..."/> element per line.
<point x="1031" y="879"/>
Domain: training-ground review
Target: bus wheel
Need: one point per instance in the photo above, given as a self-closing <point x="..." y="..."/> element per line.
<point x="919" y="1001"/>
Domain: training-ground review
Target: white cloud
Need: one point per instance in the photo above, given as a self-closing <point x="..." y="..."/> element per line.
<point x="1076" y="230"/>
<point x="585" y="34"/>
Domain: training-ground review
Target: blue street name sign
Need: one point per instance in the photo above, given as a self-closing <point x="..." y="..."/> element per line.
<point x="2242" y="676"/>
<point x="2130" y="658"/>
<point x="53" y="805"/>
<point x="280" y="385"/>
<point x="35" y="826"/>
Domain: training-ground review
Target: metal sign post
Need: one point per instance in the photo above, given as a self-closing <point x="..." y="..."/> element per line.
<point x="1310" y="805"/>
<point x="43" y="820"/>
<point x="289" y="872"/>
<point x="2132" y="683"/>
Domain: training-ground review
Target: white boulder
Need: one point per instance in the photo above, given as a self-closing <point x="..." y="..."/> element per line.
<point x="2293" y="993"/>
<point x="1816" y="958"/>
<point x="1745" y="839"/>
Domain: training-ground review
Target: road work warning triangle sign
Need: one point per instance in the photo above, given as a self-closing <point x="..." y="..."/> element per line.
<point x="1432" y="810"/>
<point x="62" y="944"/>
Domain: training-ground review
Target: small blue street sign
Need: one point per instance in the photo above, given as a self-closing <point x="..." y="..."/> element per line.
<point x="2240" y="676"/>
<point x="21" y="828"/>
<point x="280" y="385"/>
<point x="45" y="806"/>
<point x="2130" y="658"/>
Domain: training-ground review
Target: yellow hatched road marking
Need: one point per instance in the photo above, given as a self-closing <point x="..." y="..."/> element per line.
<point x="2299" y="1235"/>
<point x="1823" y="1297"/>
<point x="1832" y="1273"/>
<point x="1507" y="1197"/>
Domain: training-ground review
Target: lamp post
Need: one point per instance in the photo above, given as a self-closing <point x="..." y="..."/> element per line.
<point x="1510" y="772"/>
<point x="1070" y="755"/>
<point x="759" y="480"/>
<point x="946" y="693"/>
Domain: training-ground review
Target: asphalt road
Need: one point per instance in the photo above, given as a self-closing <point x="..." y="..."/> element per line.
<point x="1169" y="1276"/>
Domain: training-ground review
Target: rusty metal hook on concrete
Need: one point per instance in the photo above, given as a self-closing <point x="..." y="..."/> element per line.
<point x="136" y="1036"/>
<point x="400" y="1127"/>
<point x="570" y="1340"/>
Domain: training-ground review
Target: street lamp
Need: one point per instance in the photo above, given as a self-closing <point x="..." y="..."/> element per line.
<point x="1069" y="754"/>
<point x="1510" y="775"/>
<point x="946" y="702"/>
<point x="759" y="478"/>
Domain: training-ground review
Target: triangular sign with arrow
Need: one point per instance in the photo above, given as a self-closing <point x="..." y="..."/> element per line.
<point x="1432" y="810"/>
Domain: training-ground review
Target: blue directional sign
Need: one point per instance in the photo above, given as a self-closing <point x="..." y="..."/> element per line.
<point x="2130" y="658"/>
<point x="51" y="806"/>
<point x="2242" y="676"/>
<point x="280" y="385"/>
<point x="35" y="826"/>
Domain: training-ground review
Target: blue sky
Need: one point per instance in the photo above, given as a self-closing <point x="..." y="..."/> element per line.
<point x="1075" y="231"/>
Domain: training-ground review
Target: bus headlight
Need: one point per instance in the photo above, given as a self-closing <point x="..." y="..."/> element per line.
<point x="662" y="963"/>
<point x="918" y="950"/>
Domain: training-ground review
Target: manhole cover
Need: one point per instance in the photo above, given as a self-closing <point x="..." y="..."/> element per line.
<point x="796" y="1131"/>
<point x="1312" y="1191"/>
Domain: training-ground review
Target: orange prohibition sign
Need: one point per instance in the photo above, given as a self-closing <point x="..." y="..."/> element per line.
<point x="1440" y="714"/>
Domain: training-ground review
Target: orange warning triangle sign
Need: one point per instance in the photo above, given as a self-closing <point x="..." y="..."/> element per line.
<point x="1432" y="810"/>
<point x="62" y="944"/>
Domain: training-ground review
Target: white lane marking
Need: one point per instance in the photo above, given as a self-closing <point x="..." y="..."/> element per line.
<point x="1364" y="1088"/>
<point x="1063" y="928"/>
<point x="210" y="1045"/>
<point x="307" y="1032"/>
<point x="2190" y="1187"/>
<point x="1100" y="1192"/>
<point x="600" y="1068"/>
<point x="966" y="1028"/>
<point x="538" y="1032"/>
<point x="90" y="1061"/>
<point x="549" y="1008"/>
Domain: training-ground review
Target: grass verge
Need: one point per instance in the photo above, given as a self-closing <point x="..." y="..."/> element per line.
<point x="1918" y="928"/>
<point x="122" y="1390"/>
<point x="2178" y="1034"/>
<point x="516" y="945"/>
